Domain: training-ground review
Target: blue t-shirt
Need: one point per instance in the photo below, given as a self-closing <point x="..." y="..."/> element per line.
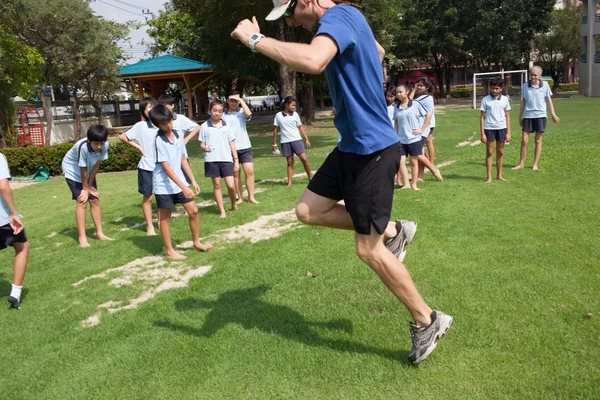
<point x="171" y="152"/>
<point x="4" y="174"/>
<point x="426" y="101"/>
<point x="237" y="123"/>
<point x="82" y="155"/>
<point x="218" y="138"/>
<point x="355" y="79"/>
<point x="535" y="99"/>
<point x="494" y="108"/>
<point x="409" y="118"/>
<point x="144" y="133"/>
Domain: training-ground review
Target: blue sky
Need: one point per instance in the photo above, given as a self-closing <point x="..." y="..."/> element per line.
<point x="130" y="10"/>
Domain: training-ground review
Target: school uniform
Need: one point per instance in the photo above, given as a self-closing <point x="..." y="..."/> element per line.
<point x="494" y="125"/>
<point x="361" y="169"/>
<point x="291" y="141"/>
<point x="409" y="118"/>
<point x="144" y="133"/>
<point x="236" y="120"/>
<point x="426" y="101"/>
<point x="219" y="161"/>
<point x="166" y="191"/>
<point x="534" y="113"/>
<point x="7" y="236"/>
<point x="81" y="155"/>
<point x="391" y="110"/>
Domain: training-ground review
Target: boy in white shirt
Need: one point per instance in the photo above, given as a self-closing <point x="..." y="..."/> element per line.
<point x="495" y="126"/>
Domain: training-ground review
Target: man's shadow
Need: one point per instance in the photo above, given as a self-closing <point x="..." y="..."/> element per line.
<point x="244" y="307"/>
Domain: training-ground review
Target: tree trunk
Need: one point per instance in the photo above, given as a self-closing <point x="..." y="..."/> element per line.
<point x="77" y="115"/>
<point x="47" y="114"/>
<point x="307" y="100"/>
<point x="447" y="76"/>
<point x="287" y="76"/>
<point x="322" y="98"/>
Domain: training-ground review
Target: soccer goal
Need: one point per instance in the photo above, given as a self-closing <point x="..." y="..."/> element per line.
<point x="513" y="82"/>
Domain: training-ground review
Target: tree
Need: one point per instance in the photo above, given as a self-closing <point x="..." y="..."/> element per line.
<point x="556" y="48"/>
<point x="19" y="72"/>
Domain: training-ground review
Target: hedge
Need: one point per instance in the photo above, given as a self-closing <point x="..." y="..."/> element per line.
<point x="568" y="87"/>
<point x="24" y="161"/>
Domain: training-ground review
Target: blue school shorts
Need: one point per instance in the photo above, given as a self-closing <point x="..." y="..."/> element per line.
<point x="169" y="200"/>
<point x="145" y="182"/>
<point x="291" y="148"/>
<point x="8" y="238"/>
<point x="217" y="169"/>
<point x="77" y="187"/>
<point x="412" y="149"/>
<point x="498" y="135"/>
<point x="245" y="156"/>
<point x="534" y="125"/>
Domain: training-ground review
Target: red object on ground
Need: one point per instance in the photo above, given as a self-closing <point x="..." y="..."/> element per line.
<point x="31" y="129"/>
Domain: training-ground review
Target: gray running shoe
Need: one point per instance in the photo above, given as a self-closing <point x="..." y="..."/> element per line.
<point x="406" y="233"/>
<point x="424" y="339"/>
<point x="14" y="303"/>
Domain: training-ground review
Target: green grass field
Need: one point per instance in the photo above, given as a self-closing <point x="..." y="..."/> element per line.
<point x="515" y="263"/>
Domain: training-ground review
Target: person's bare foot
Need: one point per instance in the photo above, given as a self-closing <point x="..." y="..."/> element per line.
<point x="415" y="187"/>
<point x="175" y="255"/>
<point x="234" y="207"/>
<point x="518" y="167"/>
<point x="500" y="178"/>
<point x="239" y="201"/>
<point x="223" y="215"/>
<point x="202" y="247"/>
<point x="419" y="179"/>
<point x="405" y="187"/>
<point x="488" y="180"/>
<point x="535" y="168"/>
<point x="102" y="236"/>
<point x="253" y="201"/>
<point x="150" y="232"/>
<point x="437" y="175"/>
<point x="84" y="243"/>
<point x="400" y="183"/>
<point x="289" y="184"/>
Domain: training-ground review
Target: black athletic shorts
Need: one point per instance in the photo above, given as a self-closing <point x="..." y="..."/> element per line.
<point x="364" y="182"/>
<point x="8" y="238"/>
<point x="534" y="125"/>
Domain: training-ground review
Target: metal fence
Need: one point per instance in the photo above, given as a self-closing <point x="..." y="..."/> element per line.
<point x="65" y="110"/>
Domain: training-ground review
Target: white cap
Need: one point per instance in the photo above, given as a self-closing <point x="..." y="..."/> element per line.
<point x="280" y="7"/>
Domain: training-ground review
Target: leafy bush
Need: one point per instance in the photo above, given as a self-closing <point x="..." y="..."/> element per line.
<point x="457" y="93"/>
<point x="568" y="87"/>
<point x="26" y="160"/>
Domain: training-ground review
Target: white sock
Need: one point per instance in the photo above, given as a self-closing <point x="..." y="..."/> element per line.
<point x="16" y="292"/>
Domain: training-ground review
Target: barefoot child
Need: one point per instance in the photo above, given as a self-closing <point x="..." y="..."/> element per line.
<point x="410" y="120"/>
<point x="141" y="136"/>
<point x="236" y="116"/>
<point x="495" y="126"/>
<point x="532" y="115"/>
<point x="169" y="183"/>
<point x="12" y="234"/>
<point x="288" y="122"/>
<point x="421" y="93"/>
<point x="217" y="141"/>
<point x="80" y="166"/>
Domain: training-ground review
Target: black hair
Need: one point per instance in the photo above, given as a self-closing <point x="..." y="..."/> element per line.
<point x="497" y="82"/>
<point x="160" y="114"/>
<point x="287" y="100"/>
<point x="216" y="103"/>
<point x="392" y="89"/>
<point x="166" y="99"/>
<point x="144" y="103"/>
<point x="232" y="93"/>
<point x="97" y="133"/>
<point x="426" y="83"/>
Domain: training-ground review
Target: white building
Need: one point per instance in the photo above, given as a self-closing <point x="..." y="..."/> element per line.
<point x="589" y="63"/>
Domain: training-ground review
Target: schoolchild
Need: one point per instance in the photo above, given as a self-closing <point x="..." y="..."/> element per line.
<point x="169" y="184"/>
<point x="495" y="126"/>
<point x="80" y="166"/>
<point x="236" y="116"/>
<point x="532" y="114"/>
<point x="141" y="136"/>
<point x="390" y="98"/>
<point x="12" y="233"/>
<point x="410" y="120"/>
<point x="217" y="141"/>
<point x="289" y="124"/>
<point x="422" y="94"/>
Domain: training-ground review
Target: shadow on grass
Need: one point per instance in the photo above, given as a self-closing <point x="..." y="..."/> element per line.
<point x="150" y="244"/>
<point x="244" y="307"/>
<point x="458" y="177"/>
<point x="6" y="286"/>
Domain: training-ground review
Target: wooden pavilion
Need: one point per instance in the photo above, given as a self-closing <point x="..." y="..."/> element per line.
<point x="155" y="75"/>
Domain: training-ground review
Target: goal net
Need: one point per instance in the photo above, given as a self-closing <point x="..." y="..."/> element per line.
<point x="513" y="81"/>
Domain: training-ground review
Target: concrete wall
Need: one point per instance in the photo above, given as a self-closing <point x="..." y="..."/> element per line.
<point x="589" y="72"/>
<point x="64" y="131"/>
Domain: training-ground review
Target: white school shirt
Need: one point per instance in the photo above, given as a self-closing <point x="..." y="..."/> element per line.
<point x="409" y="118"/>
<point x="4" y="174"/>
<point x="144" y="133"/>
<point x="170" y="151"/>
<point x="237" y="123"/>
<point x="82" y="155"/>
<point x="218" y="138"/>
<point x="288" y="126"/>
<point x="183" y="124"/>
<point x="535" y="99"/>
<point x="494" y="109"/>
<point x="391" y="110"/>
<point x="427" y="101"/>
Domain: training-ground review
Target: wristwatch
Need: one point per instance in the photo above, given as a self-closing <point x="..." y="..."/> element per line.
<point x="255" y="38"/>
